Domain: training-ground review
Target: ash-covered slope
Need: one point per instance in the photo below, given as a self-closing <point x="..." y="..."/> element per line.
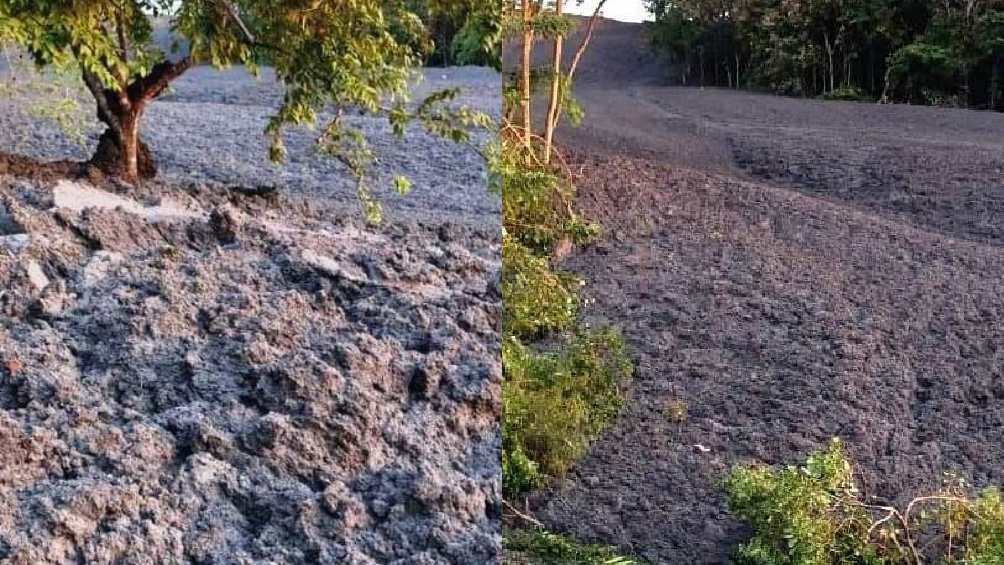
<point x="780" y="321"/>
<point x="194" y="376"/>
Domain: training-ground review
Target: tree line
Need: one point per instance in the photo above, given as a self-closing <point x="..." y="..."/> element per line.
<point x="944" y="52"/>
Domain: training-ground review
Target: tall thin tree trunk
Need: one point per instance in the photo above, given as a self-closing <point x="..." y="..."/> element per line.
<point x="829" y="58"/>
<point x="580" y="52"/>
<point x="525" y="86"/>
<point x="701" y="52"/>
<point x="994" y="82"/>
<point x="552" y="114"/>
<point x="737" y="70"/>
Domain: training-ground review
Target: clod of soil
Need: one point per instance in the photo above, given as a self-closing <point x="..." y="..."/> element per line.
<point x="242" y="380"/>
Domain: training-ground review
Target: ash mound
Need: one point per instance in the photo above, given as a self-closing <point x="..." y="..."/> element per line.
<point x="194" y="375"/>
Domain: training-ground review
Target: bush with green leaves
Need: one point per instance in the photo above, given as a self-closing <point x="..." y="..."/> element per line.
<point x="537" y="298"/>
<point x="555" y="404"/>
<point x="537" y="547"/>
<point x="537" y="199"/>
<point x="814" y="515"/>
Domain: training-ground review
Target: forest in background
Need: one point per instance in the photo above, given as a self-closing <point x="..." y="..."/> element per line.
<point x="939" y="52"/>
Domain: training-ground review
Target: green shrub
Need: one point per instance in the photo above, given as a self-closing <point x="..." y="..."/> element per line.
<point x="556" y="403"/>
<point x="535" y="547"/>
<point x="813" y="515"/>
<point x="799" y="514"/>
<point x="536" y="298"/>
<point x="536" y="202"/>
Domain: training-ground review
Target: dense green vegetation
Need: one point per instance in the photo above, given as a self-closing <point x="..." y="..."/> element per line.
<point x="557" y="397"/>
<point x="462" y="32"/>
<point x="556" y="401"/>
<point x="814" y="515"/>
<point x="919" y="51"/>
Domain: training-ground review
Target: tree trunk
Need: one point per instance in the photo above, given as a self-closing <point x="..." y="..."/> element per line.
<point x="829" y="58"/>
<point x="121" y="152"/>
<point x="552" y="113"/>
<point x="525" y="86"/>
<point x="994" y="82"/>
<point x="737" y="70"/>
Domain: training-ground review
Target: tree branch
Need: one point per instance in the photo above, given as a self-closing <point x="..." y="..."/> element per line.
<point x="106" y="113"/>
<point x="235" y="15"/>
<point x="120" y="31"/>
<point x="152" y="85"/>
<point x="585" y="42"/>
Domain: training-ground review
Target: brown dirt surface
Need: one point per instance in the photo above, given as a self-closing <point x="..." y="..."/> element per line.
<point x="791" y="270"/>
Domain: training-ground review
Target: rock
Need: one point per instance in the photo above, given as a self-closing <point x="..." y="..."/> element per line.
<point x="344" y="270"/>
<point x="424" y="382"/>
<point x="15" y="243"/>
<point x="8" y="224"/>
<point x="224" y="224"/>
<point x="99" y="266"/>
<point x="36" y="276"/>
<point x="54" y="300"/>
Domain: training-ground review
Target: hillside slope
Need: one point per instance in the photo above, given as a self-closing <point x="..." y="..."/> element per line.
<point x="791" y="270"/>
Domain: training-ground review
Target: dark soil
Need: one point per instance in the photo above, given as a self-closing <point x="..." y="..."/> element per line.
<point x="792" y="270"/>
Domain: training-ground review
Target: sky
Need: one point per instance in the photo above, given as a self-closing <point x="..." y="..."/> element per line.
<point x="623" y="10"/>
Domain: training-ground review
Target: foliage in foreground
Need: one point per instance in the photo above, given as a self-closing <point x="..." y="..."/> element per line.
<point x="537" y="298"/>
<point x="557" y="403"/>
<point x="813" y="515"/>
<point x="536" y="547"/>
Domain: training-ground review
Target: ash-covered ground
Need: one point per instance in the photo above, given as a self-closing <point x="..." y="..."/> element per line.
<point x="209" y="128"/>
<point x="203" y="370"/>
<point x="194" y="376"/>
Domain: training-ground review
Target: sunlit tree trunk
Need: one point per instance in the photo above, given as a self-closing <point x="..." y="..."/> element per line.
<point x="121" y="152"/>
<point x="525" y="86"/>
<point x="552" y="112"/>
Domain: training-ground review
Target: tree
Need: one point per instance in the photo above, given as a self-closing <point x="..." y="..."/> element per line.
<point x="463" y="32"/>
<point x="328" y="54"/>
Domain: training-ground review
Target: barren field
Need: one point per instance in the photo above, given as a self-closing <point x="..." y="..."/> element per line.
<point x="792" y="270"/>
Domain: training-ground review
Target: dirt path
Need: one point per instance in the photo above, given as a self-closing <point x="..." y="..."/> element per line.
<point x="791" y="270"/>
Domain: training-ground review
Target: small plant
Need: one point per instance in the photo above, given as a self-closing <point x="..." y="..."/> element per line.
<point x="536" y="298"/>
<point x="537" y="547"/>
<point x="676" y="411"/>
<point x="813" y="515"/>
